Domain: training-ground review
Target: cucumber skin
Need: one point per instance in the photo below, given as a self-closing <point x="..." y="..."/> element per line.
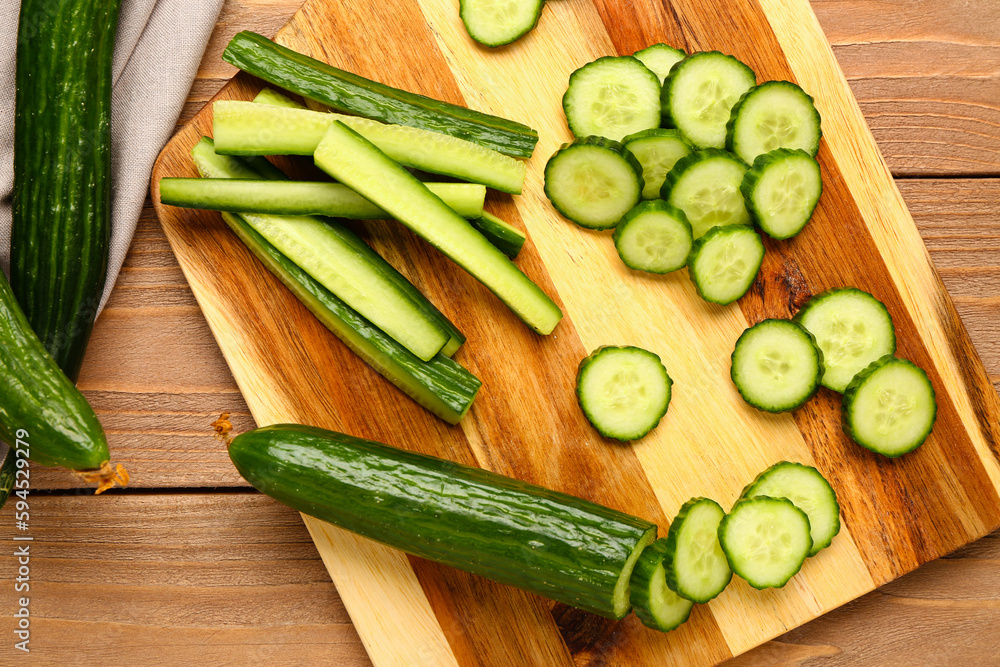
<point x="37" y="397"/>
<point x="8" y="470"/>
<point x="647" y="206"/>
<point x="61" y="202"/>
<point x="508" y="240"/>
<point x="350" y="93"/>
<point x="722" y="528"/>
<point x="579" y="393"/>
<point x="819" y="356"/>
<point x="673" y="535"/>
<point x="731" y="123"/>
<point x="648" y="566"/>
<point x="696" y="248"/>
<point x="754" y="174"/>
<point x="497" y="527"/>
<point x="852" y="389"/>
<point x="463" y="10"/>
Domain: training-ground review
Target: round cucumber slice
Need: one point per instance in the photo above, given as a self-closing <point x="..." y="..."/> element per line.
<point x="657" y="151"/>
<point x="852" y="328"/>
<point x="706" y="186"/>
<point x="623" y="391"/>
<point x="776" y="365"/>
<point x="654" y="237"/>
<point x="654" y="603"/>
<point x="775" y="114"/>
<point x="781" y="191"/>
<point x="809" y="491"/>
<point x="659" y="58"/>
<point x="699" y="94"/>
<point x="695" y="566"/>
<point x="766" y="540"/>
<point x="612" y="97"/>
<point x="890" y="407"/>
<point x="499" y="22"/>
<point x="724" y="263"/>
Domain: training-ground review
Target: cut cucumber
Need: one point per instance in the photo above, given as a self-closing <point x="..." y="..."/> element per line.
<point x="508" y="239"/>
<point x="623" y="391"/>
<point x="775" y="114"/>
<point x="593" y="182"/>
<point x="356" y="162"/>
<point x="252" y="128"/>
<point x="852" y="328"/>
<point x="776" y="365"/>
<point x="612" y="97"/>
<point x="700" y="93"/>
<point x="302" y="198"/>
<point x="657" y="151"/>
<point x="695" y="567"/>
<point x="654" y="603"/>
<point x="659" y="58"/>
<point x="781" y="190"/>
<point x="890" y="407"/>
<point x="706" y="186"/>
<point x="809" y="491"/>
<point x="724" y="263"/>
<point x="499" y="22"/>
<point x="654" y="237"/>
<point x="766" y="540"/>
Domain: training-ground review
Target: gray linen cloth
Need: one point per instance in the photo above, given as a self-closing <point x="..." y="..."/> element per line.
<point x="157" y="50"/>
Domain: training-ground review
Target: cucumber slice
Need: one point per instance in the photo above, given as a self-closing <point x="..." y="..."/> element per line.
<point x="508" y="239"/>
<point x="809" y="491"/>
<point x="612" y="97"/>
<point x="724" y="263"/>
<point x="700" y="93"/>
<point x="852" y="328"/>
<point x="356" y="162"/>
<point x="776" y="365"/>
<point x="499" y="22"/>
<point x="659" y="58"/>
<point x="654" y="603"/>
<point x="781" y="190"/>
<point x="775" y="114"/>
<point x="657" y="151"/>
<point x="654" y="237"/>
<point x="695" y="567"/>
<point x="890" y="407"/>
<point x="706" y="186"/>
<point x="593" y="182"/>
<point x="302" y="198"/>
<point x="252" y="128"/>
<point x="766" y="540"/>
<point x="623" y="391"/>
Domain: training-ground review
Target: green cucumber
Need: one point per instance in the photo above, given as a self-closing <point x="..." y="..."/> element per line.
<point x="654" y="237"/>
<point x="766" y="540"/>
<point x="694" y="564"/>
<point x="507" y="238"/>
<point x="773" y="115"/>
<point x="623" y="391"/>
<point x="781" y="191"/>
<point x="699" y="95"/>
<point x="350" y="93"/>
<point x="655" y="604"/>
<point x="253" y="128"/>
<point x="61" y="203"/>
<point x="657" y="151"/>
<point x="724" y="263"/>
<point x="776" y="365"/>
<point x="612" y="97"/>
<point x="706" y="186"/>
<point x="660" y="58"/>
<point x="564" y="548"/>
<point x="302" y="198"/>
<point x="356" y="162"/>
<point x="499" y="22"/>
<point x="8" y="471"/>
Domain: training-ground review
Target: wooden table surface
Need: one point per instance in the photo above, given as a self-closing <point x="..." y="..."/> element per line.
<point x="189" y="564"/>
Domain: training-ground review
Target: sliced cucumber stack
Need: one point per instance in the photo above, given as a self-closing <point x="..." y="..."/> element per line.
<point x="781" y="191"/>
<point x="776" y="114"/>
<point x="657" y="151"/>
<point x="499" y="22"/>
<point x="808" y="490"/>
<point x="612" y="97"/>
<point x="593" y="181"/>
<point x="659" y="58"/>
<point x="654" y="603"/>
<point x="699" y="94"/>
<point x="623" y="391"/>
<point x="706" y="186"/>
<point x="654" y="237"/>
<point x="776" y="365"/>
<point x="695" y="565"/>
<point x="765" y="540"/>
<point x="852" y="328"/>
<point x="724" y="263"/>
<point x="890" y="407"/>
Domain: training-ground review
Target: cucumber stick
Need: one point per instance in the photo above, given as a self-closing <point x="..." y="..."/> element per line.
<point x="472" y="519"/>
<point x="507" y="238"/>
<point x="62" y="169"/>
<point x="350" y="93"/>
<point x="253" y="128"/>
<point x="356" y="162"/>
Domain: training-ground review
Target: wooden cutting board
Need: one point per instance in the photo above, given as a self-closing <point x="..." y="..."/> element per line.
<point x="525" y="422"/>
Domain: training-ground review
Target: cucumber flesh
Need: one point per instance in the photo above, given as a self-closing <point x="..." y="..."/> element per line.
<point x="776" y="365"/>
<point x="781" y="190"/>
<point x="766" y="540"/>
<point x="724" y="263"/>
<point x="852" y="328"/>
<point x="593" y="182"/>
<point x="775" y="114"/>
<point x="699" y="95"/>
<point x="660" y="58"/>
<point x="657" y="151"/>
<point x="356" y="162"/>
<point x="706" y="186"/>
<point x="612" y="97"/>
<point x="809" y="491"/>
<point x="654" y="603"/>
<point x="499" y="22"/>
<point x="695" y="566"/>
<point x="623" y="391"/>
<point x="890" y="407"/>
<point x="654" y="237"/>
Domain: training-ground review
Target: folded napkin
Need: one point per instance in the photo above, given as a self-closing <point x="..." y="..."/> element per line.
<point x="157" y="50"/>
